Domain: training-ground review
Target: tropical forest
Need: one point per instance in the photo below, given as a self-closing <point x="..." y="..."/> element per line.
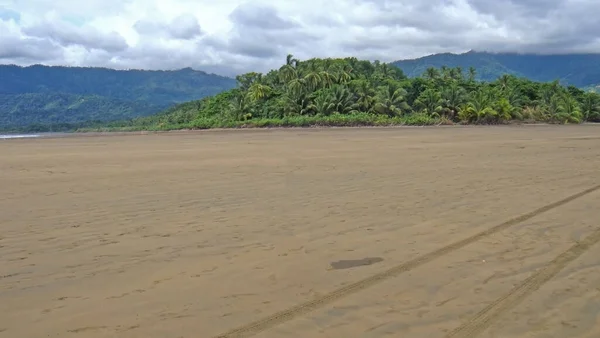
<point x="353" y="92"/>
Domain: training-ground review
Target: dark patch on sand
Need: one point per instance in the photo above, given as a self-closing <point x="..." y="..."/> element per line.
<point x="352" y="263"/>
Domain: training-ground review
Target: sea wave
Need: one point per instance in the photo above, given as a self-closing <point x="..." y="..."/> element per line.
<point x="18" y="136"/>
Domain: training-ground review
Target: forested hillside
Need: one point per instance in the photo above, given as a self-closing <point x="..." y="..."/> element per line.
<point x="444" y="88"/>
<point x="44" y="95"/>
<point x="580" y="70"/>
<point x="354" y="92"/>
<point x="55" y="108"/>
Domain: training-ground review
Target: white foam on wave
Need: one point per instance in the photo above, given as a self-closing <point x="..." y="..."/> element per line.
<point x="18" y="136"/>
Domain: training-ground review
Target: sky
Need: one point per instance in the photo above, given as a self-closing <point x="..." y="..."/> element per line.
<point x="230" y="37"/>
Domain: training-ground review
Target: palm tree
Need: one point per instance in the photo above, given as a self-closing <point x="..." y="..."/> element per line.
<point x="569" y="109"/>
<point x="345" y="74"/>
<point x="327" y="78"/>
<point x="555" y="86"/>
<point x="472" y="73"/>
<point x="323" y="105"/>
<point x="514" y="96"/>
<point x="296" y="104"/>
<point x="343" y="100"/>
<point x="552" y="106"/>
<point x="590" y="106"/>
<point x="481" y="104"/>
<point x="453" y="74"/>
<point x="327" y="64"/>
<point x="453" y="97"/>
<point x="245" y="81"/>
<point x="431" y="73"/>
<point x="445" y="72"/>
<point x="546" y="95"/>
<point x="287" y="73"/>
<point x="238" y="107"/>
<point x="385" y="70"/>
<point x="365" y="95"/>
<point x="430" y="101"/>
<point x="504" y="81"/>
<point x="459" y="73"/>
<point x="259" y="91"/>
<point x="313" y="81"/>
<point x="505" y="110"/>
<point x="296" y="86"/>
<point x="289" y="70"/>
<point x="291" y="61"/>
<point x="391" y="101"/>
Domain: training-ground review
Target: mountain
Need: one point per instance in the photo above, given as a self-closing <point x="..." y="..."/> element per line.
<point x="580" y="70"/>
<point x="59" y="108"/>
<point x="54" y="95"/>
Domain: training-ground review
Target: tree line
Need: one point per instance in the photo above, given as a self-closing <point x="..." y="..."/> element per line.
<point x="343" y="86"/>
<point x="343" y="90"/>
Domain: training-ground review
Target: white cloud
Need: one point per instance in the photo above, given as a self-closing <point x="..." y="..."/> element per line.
<point x="234" y="36"/>
<point x="184" y="26"/>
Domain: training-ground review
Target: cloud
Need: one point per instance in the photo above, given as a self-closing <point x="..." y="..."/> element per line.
<point x="28" y="50"/>
<point x="260" y="16"/>
<point x="184" y="26"/>
<point x="260" y="31"/>
<point x="69" y="35"/>
<point x="19" y="49"/>
<point x="234" y="36"/>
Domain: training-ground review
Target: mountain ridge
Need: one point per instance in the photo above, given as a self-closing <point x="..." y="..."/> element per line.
<point x="110" y="94"/>
<point x="41" y="94"/>
<point x="578" y="69"/>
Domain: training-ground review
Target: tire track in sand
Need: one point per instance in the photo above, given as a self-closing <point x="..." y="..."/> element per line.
<point x="485" y="317"/>
<point x="301" y="309"/>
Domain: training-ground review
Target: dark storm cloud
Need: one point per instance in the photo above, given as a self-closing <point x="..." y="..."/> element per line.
<point x="510" y="8"/>
<point x="250" y="43"/>
<point x="426" y="15"/>
<point x="70" y="35"/>
<point x="546" y="26"/>
<point x="538" y="26"/>
<point x="257" y="49"/>
<point x="28" y="50"/>
<point x="259" y="16"/>
<point x="261" y="32"/>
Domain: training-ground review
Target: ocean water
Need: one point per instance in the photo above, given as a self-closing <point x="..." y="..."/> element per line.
<point x="10" y="136"/>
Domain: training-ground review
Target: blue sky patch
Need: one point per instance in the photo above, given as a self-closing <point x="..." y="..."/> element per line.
<point x="8" y="14"/>
<point x="77" y="21"/>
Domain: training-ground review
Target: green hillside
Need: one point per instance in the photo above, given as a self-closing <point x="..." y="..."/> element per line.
<point x="316" y="91"/>
<point x="352" y="92"/>
<point x="46" y="95"/>
<point x="580" y="70"/>
<point x="55" y="108"/>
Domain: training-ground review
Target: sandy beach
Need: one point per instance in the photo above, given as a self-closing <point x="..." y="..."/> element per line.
<point x="361" y="232"/>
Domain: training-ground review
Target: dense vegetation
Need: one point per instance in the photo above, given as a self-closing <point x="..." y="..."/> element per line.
<point x="45" y="95"/>
<point x="20" y="110"/>
<point x="580" y="70"/>
<point x="353" y="92"/>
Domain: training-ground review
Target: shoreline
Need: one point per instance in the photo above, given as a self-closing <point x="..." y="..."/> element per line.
<point x="267" y="129"/>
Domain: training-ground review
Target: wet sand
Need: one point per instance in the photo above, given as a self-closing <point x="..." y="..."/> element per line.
<point x="374" y="232"/>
